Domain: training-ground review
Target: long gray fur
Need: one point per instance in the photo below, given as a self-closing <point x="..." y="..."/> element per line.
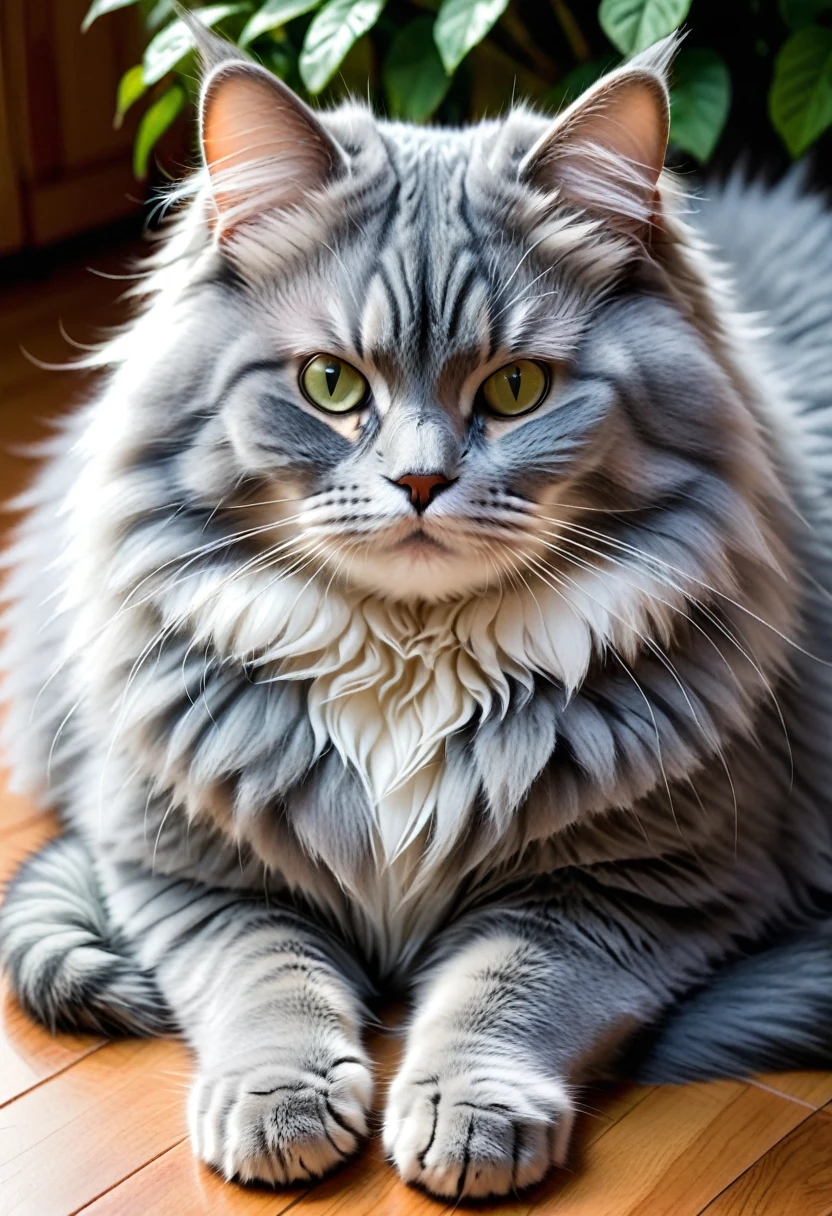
<point x="637" y="839"/>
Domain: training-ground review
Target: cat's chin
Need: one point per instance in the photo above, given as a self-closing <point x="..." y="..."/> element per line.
<point x="421" y="570"/>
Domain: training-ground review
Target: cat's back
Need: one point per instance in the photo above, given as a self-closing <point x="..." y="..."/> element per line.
<point x="777" y="244"/>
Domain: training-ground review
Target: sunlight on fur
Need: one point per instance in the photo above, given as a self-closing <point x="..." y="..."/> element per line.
<point x="521" y="710"/>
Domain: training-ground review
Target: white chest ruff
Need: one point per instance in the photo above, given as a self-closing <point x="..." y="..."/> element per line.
<point x="392" y="683"/>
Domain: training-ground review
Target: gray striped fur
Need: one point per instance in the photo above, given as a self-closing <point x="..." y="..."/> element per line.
<point x="565" y="772"/>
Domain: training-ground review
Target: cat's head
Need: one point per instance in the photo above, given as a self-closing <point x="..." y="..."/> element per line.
<point x="424" y="362"/>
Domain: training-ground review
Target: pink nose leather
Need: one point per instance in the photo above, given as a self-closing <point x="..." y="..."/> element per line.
<point x="422" y="487"/>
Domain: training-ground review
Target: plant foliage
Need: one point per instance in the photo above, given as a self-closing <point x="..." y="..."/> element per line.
<point x="452" y="60"/>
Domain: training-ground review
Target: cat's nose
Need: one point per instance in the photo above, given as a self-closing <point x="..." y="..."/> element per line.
<point x="423" y="487"/>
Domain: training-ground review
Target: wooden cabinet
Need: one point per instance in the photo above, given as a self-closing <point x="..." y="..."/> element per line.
<point x="64" y="167"/>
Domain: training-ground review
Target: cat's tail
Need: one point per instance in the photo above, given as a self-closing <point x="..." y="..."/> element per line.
<point x="766" y="1012"/>
<point x="67" y="967"/>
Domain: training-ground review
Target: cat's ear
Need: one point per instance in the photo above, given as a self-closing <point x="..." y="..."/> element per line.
<point x="264" y="148"/>
<point x="605" y="152"/>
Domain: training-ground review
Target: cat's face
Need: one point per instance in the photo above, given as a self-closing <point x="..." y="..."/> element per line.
<point x="417" y="392"/>
<point x="438" y="347"/>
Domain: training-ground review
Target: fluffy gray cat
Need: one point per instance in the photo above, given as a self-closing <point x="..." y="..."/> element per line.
<point x="437" y="594"/>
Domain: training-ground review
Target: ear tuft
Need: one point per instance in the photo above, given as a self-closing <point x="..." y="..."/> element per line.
<point x="264" y="149"/>
<point x="212" y="49"/>
<point x="605" y="153"/>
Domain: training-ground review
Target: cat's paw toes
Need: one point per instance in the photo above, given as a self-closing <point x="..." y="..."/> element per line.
<point x="488" y="1131"/>
<point x="279" y="1122"/>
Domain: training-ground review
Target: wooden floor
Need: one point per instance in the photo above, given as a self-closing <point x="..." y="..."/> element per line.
<point x="99" y="1128"/>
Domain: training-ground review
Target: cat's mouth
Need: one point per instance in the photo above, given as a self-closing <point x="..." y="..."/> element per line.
<point x="420" y="541"/>
<point x="413" y="563"/>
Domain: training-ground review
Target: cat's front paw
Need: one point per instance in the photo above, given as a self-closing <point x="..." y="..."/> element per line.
<point x="491" y="1128"/>
<point x="278" y="1121"/>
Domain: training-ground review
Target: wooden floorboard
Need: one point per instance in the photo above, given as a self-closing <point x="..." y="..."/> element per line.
<point x="99" y="1128"/>
<point x="793" y="1179"/>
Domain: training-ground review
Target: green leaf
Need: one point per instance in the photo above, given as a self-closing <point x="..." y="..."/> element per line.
<point x="577" y="81"/>
<point x="334" y="29"/>
<point x="175" y="40"/>
<point x="98" y="9"/>
<point x="799" y="13"/>
<point x="353" y="76"/>
<point x="699" y="101"/>
<point x="130" y="89"/>
<point x="414" y="79"/>
<point x="801" y="92"/>
<point x="279" y="57"/>
<point x="273" y="14"/>
<point x="461" y="24"/>
<point x="159" y="14"/>
<point x="155" y="121"/>
<point x="633" y="25"/>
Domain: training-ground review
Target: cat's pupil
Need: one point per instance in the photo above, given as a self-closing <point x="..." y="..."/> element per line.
<point x="332" y="373"/>
<point x="514" y="377"/>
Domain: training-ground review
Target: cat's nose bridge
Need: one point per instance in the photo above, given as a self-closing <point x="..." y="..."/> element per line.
<point x="420" y="440"/>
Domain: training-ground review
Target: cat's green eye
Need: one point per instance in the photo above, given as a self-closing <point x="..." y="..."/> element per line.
<point x="333" y="385"/>
<point x="516" y="388"/>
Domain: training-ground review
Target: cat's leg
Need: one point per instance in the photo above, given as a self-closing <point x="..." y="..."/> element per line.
<point x="272" y="1007"/>
<point x="519" y="1007"/>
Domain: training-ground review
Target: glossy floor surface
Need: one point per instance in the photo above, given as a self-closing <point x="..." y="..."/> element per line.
<point x="99" y="1128"/>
